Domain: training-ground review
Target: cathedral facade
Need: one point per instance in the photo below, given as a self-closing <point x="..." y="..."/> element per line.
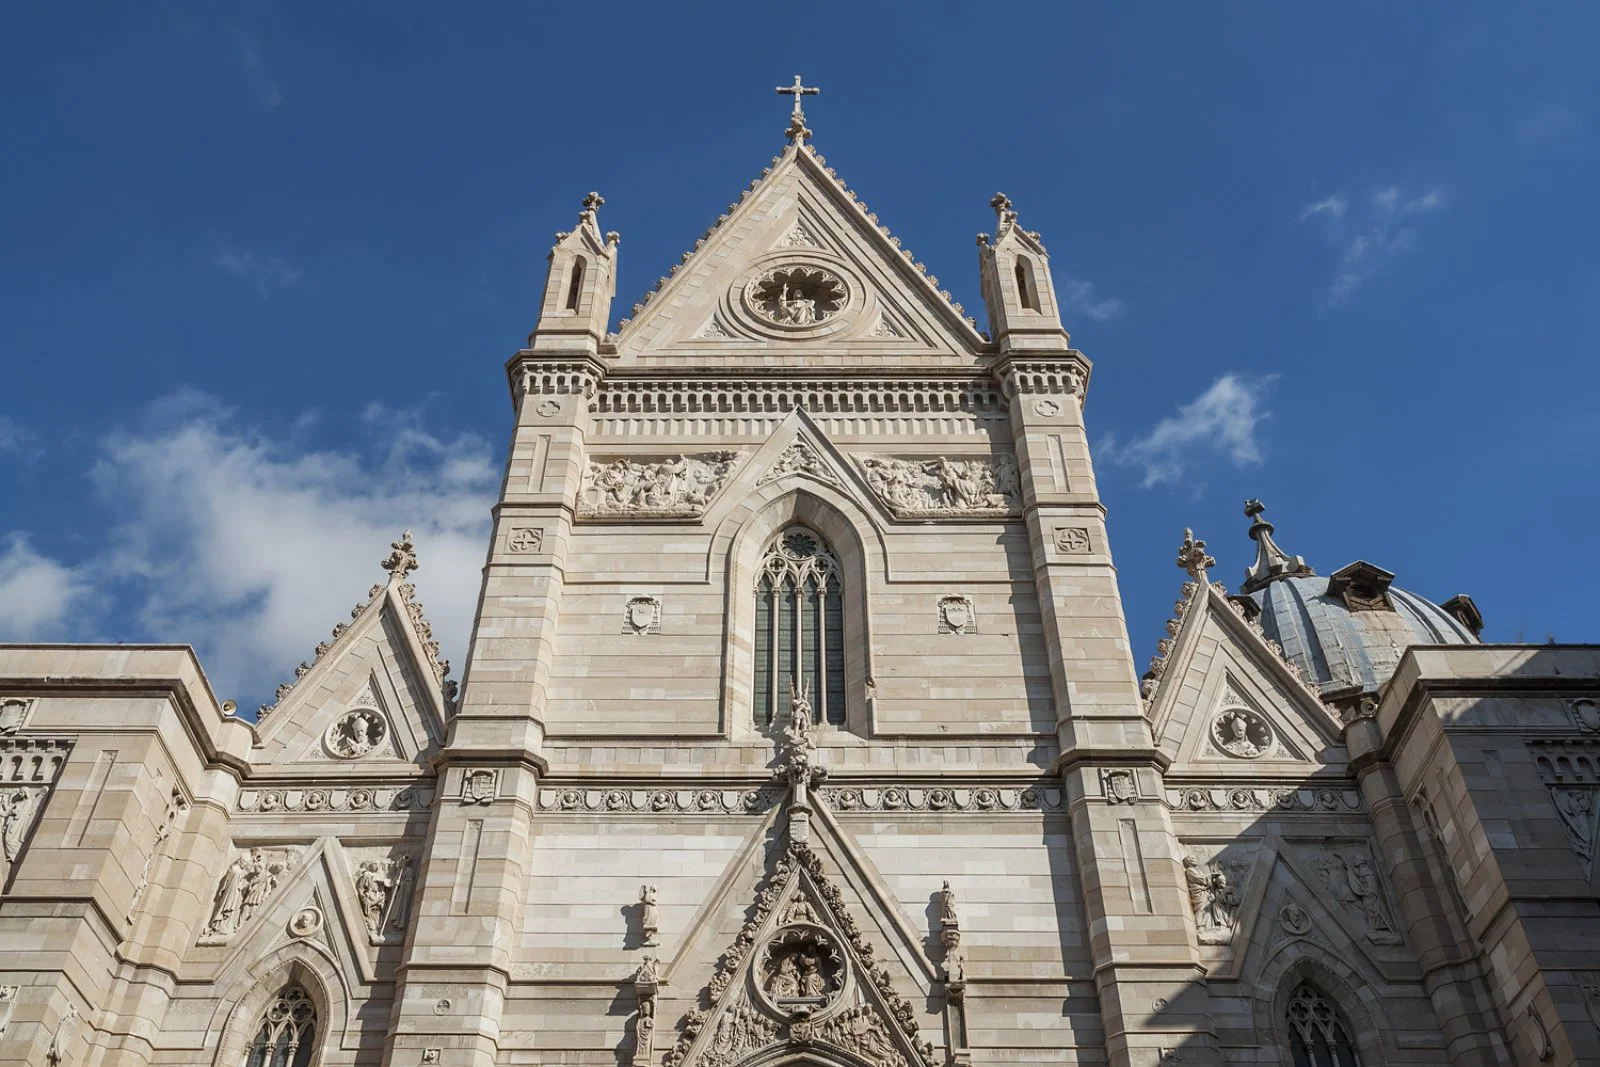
<point x="800" y="724"/>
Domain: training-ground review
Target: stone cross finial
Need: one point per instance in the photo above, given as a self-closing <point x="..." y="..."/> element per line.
<point x="1002" y="210"/>
<point x="797" y="131"/>
<point x="402" y="557"/>
<point x="593" y="201"/>
<point x="1192" y="557"/>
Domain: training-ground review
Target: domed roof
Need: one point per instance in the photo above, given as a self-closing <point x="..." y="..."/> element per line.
<point x="1345" y="632"/>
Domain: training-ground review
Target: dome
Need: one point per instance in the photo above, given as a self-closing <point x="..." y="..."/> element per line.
<point x="1345" y="632"/>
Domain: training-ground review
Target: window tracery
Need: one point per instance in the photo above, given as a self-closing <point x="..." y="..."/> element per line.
<point x="287" y="1036"/>
<point x="1318" y="1036"/>
<point x="799" y="628"/>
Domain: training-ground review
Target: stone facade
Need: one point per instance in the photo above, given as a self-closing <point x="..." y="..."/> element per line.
<point x="965" y="834"/>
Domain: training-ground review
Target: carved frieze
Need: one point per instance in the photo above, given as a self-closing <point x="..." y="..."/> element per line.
<point x="674" y="487"/>
<point x="1350" y="877"/>
<point x="247" y="883"/>
<point x="625" y="799"/>
<point x="1239" y="796"/>
<point x="942" y="487"/>
<point x="942" y="799"/>
<point x="342" y="798"/>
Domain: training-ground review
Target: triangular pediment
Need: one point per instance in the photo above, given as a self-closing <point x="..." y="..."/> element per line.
<point x="799" y="261"/>
<point x="371" y="699"/>
<point x="803" y="972"/>
<point x="1227" y="703"/>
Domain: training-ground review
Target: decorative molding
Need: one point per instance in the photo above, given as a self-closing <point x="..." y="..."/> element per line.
<point x="1073" y="540"/>
<point x="678" y="487"/>
<point x="524" y="539"/>
<point x="707" y="395"/>
<point x="800" y="457"/>
<point x="248" y="882"/>
<point x="624" y="799"/>
<point x="177" y="806"/>
<point x="1057" y="377"/>
<point x="986" y="799"/>
<point x="642" y="615"/>
<point x="337" y="799"/>
<point x="941" y="487"/>
<point x="557" y="378"/>
<point x="957" y="615"/>
<point x="34" y="760"/>
<point x="1151" y="682"/>
<point x="1241" y="796"/>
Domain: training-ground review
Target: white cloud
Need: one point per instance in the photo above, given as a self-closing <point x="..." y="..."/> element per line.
<point x="266" y="275"/>
<point x="38" y="595"/>
<point x="256" y="75"/>
<point x="1078" y="297"/>
<point x="19" y="441"/>
<point x="1367" y="240"/>
<point x="1223" y="419"/>
<point x="251" y="546"/>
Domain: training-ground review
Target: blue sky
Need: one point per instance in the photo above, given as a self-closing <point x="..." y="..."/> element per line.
<point x="260" y="268"/>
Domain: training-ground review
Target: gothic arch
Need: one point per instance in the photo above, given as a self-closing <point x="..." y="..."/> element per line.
<point x="740" y="544"/>
<point x="299" y="963"/>
<point x="1300" y="961"/>
<point x="796" y="1055"/>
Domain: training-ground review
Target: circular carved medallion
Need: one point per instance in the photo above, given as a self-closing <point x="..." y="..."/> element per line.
<point x="306" y="922"/>
<point x="1241" y="733"/>
<point x="548" y="408"/>
<point x="796" y="295"/>
<point x="801" y="971"/>
<point x="1047" y="408"/>
<point x="355" y="733"/>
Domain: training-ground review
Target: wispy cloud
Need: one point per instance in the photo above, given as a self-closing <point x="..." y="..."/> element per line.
<point x="19" y="441"/>
<point x="256" y="74"/>
<point x="1367" y="233"/>
<point x="1548" y="127"/>
<point x="266" y="274"/>
<point x="41" y="595"/>
<point x="1222" y="420"/>
<point x="1079" y="298"/>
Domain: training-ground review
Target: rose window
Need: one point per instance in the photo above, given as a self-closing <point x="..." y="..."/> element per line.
<point x="797" y="296"/>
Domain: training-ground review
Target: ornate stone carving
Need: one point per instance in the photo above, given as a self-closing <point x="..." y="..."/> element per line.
<point x="649" y="917"/>
<point x="1352" y="882"/>
<point x="1073" y="540"/>
<point x="1579" y="810"/>
<point x="1539" y="1035"/>
<point x="19" y="806"/>
<point x="1240" y="796"/>
<point x="61" y="1043"/>
<point x="432" y="1055"/>
<point x="383" y="890"/>
<point x="356" y="733"/>
<point x="1214" y="899"/>
<point x="982" y="799"/>
<point x="944" y="487"/>
<point x="479" y="785"/>
<point x="548" y="408"/>
<point x="177" y="804"/>
<point x="1293" y="919"/>
<point x="524" y="539"/>
<point x="1046" y="408"/>
<point x="796" y="295"/>
<point x="1585" y="712"/>
<point x="8" y="1004"/>
<point x="798" y="237"/>
<point x="646" y="983"/>
<point x="713" y="330"/>
<point x="343" y="798"/>
<point x="801" y="970"/>
<point x="244" y="887"/>
<point x="680" y="486"/>
<point x="14" y="714"/>
<point x="641" y="615"/>
<point x="1241" y="733"/>
<point x="1119" y="785"/>
<point x="884" y="330"/>
<point x="957" y="615"/>
<point x="800" y="457"/>
<point x="307" y="922"/>
<point x="1193" y="558"/>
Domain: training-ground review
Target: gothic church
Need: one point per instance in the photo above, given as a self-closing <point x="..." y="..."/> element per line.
<point x="800" y="725"/>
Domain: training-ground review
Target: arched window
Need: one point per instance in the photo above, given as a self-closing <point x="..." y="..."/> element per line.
<point x="1317" y="1036"/>
<point x="575" y="286"/>
<point x="288" y="1033"/>
<point x="799" y="628"/>
<point x="1027" y="290"/>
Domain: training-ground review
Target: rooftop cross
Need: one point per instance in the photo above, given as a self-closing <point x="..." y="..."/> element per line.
<point x="797" y="118"/>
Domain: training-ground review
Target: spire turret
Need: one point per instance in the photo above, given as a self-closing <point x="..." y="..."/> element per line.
<point x="1271" y="562"/>
<point x="576" y="308"/>
<point x="1014" y="270"/>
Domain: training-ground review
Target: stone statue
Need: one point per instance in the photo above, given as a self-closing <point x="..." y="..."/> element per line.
<point x="649" y="919"/>
<point x="373" y="887"/>
<point x="947" y="906"/>
<point x="14" y="823"/>
<point x="785" y="981"/>
<point x="400" y="911"/>
<point x="225" y="915"/>
<point x="56" y="1054"/>
<point x="1213" y="898"/>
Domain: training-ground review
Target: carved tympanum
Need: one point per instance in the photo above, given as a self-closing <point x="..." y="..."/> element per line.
<point x="796" y="295"/>
<point x="801" y="970"/>
<point x="680" y="485"/>
<point x="1241" y="733"/>
<point x="942" y="487"/>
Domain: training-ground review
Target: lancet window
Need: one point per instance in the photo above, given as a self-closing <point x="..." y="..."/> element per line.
<point x="1318" y="1037"/>
<point x="799" y="628"/>
<point x="575" y="286"/>
<point x="287" y="1036"/>
<point x="1027" y="289"/>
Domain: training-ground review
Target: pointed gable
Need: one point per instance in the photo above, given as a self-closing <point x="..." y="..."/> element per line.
<point x="799" y="260"/>
<point x="375" y="694"/>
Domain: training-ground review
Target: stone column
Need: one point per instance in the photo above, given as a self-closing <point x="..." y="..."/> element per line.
<point x="1127" y="855"/>
<point x="473" y="883"/>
